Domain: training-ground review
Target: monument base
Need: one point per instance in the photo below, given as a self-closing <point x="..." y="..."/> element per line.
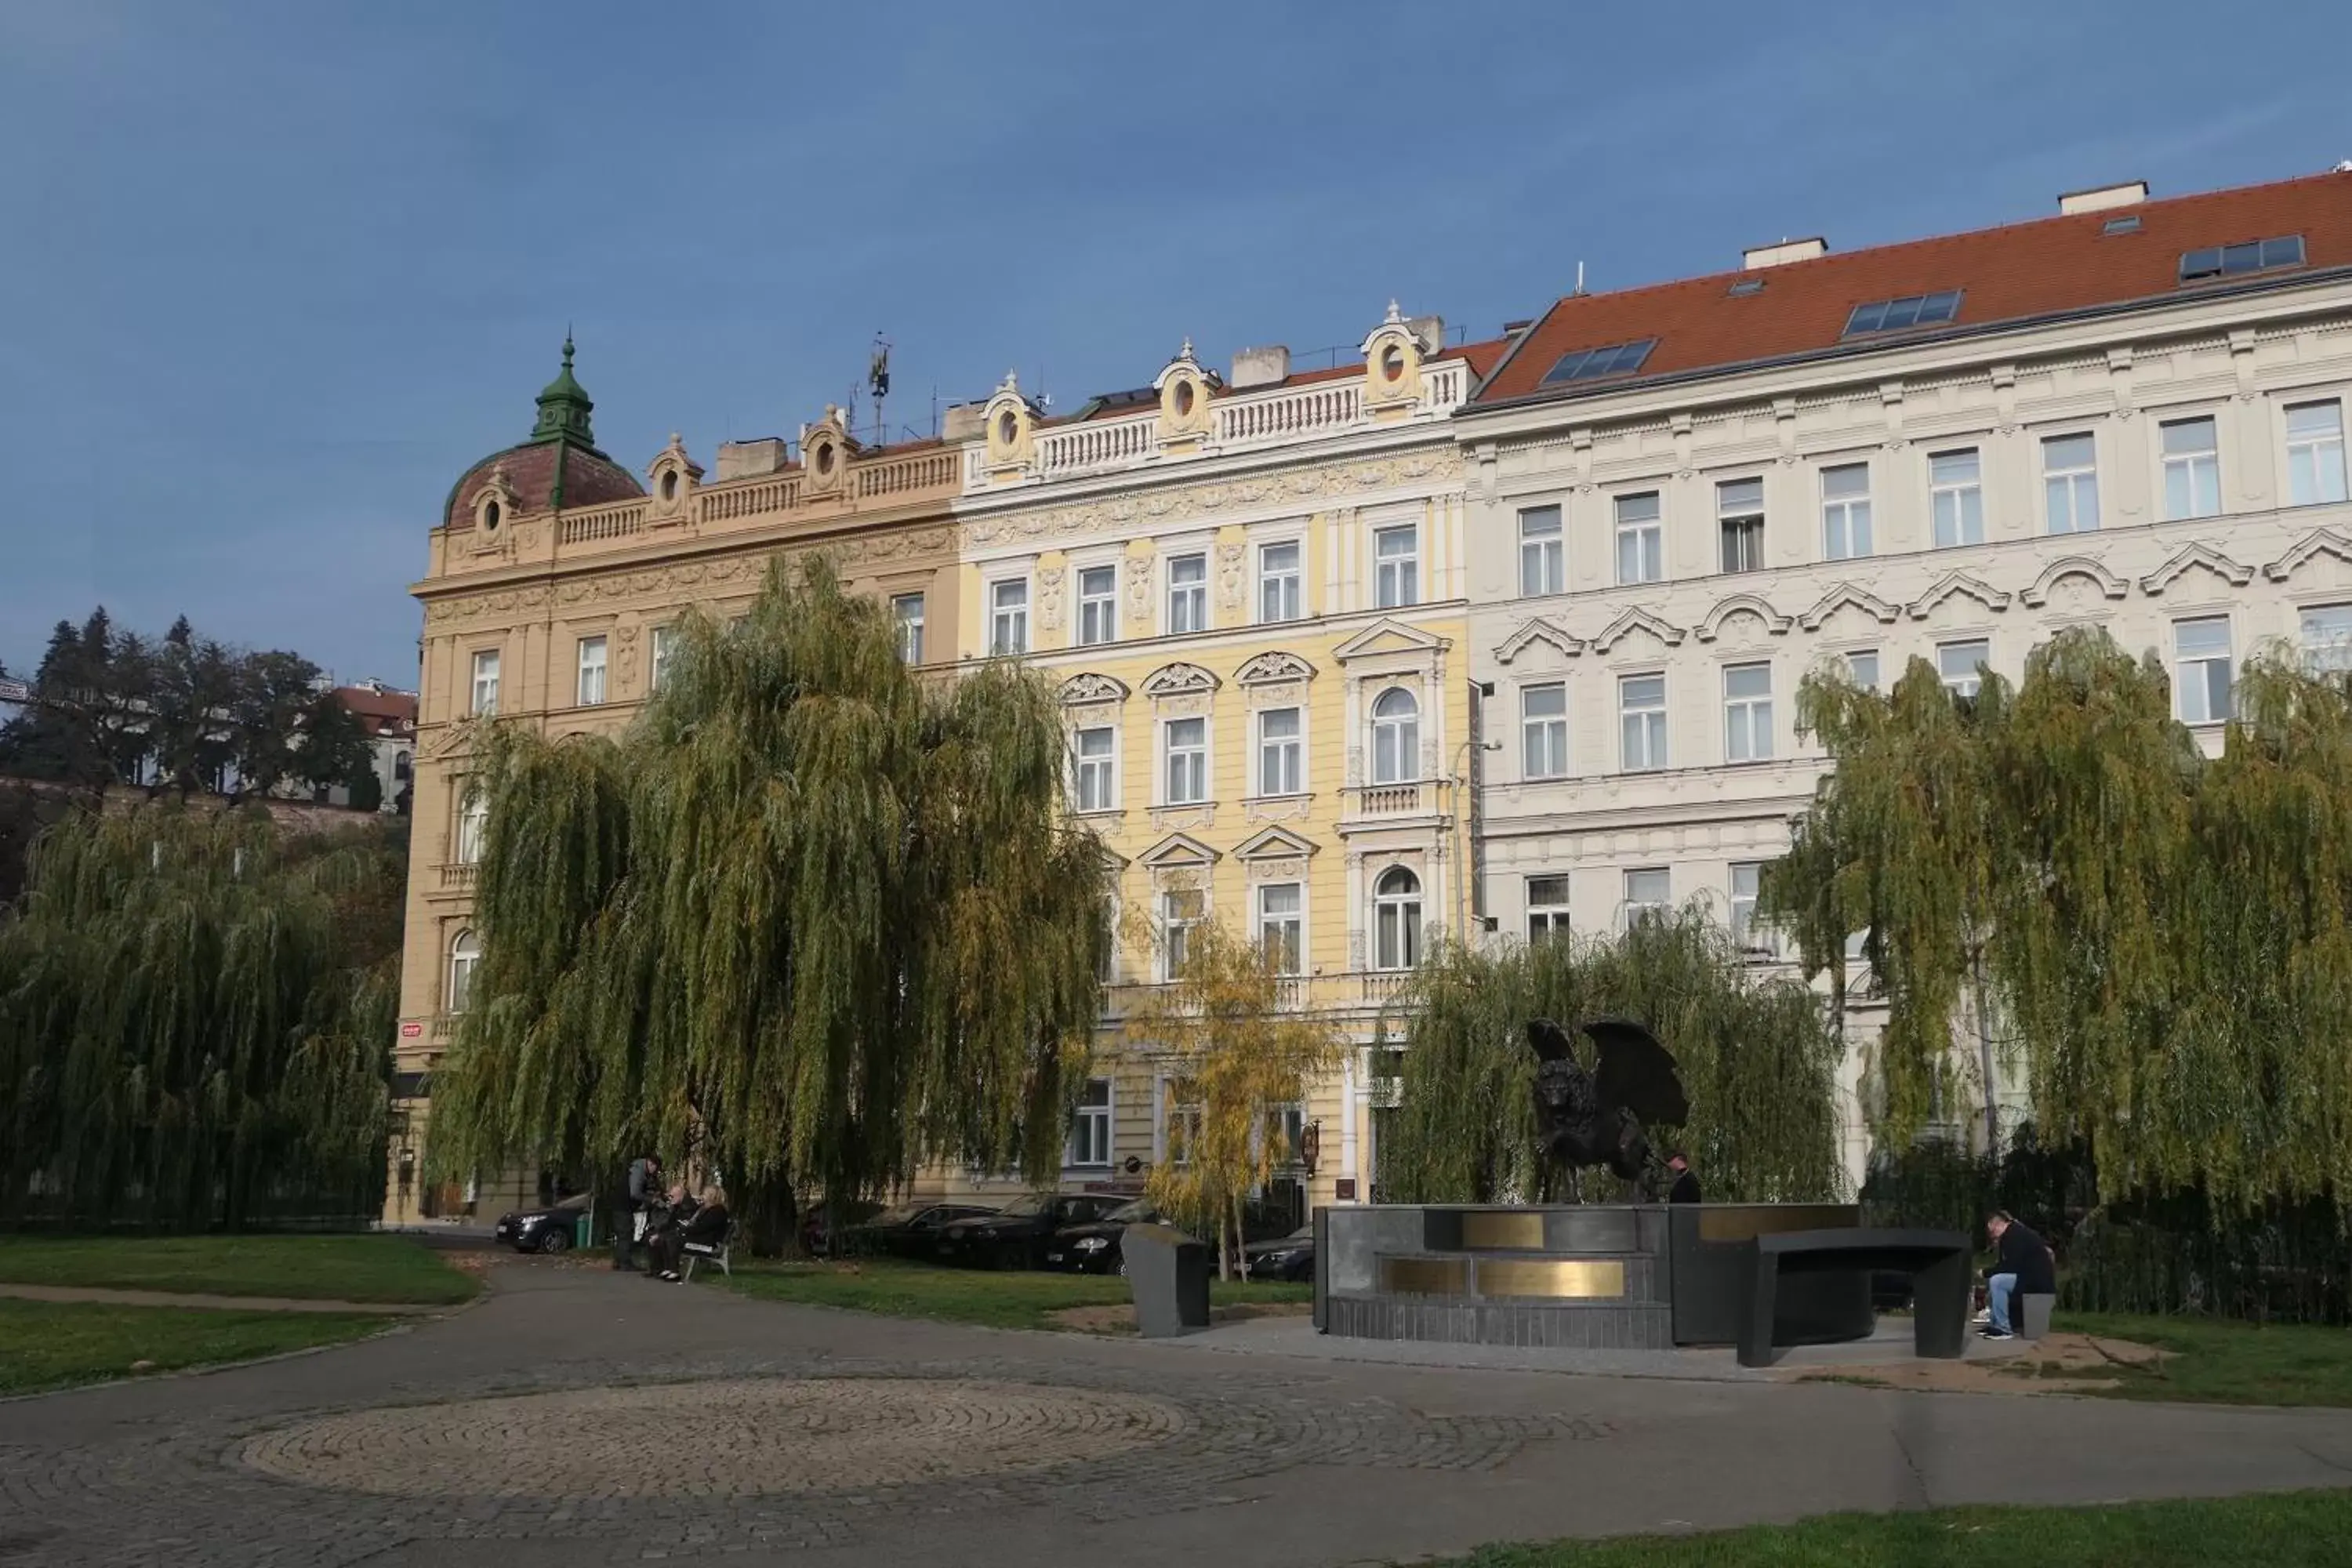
<point x="1573" y="1276"/>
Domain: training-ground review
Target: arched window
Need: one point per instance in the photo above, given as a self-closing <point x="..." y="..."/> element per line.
<point x="400" y="767"/>
<point x="465" y="953"/>
<point x="1396" y="737"/>
<point x="473" y="824"/>
<point x="1396" y="919"/>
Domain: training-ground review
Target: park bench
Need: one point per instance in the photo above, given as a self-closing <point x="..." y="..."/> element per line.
<point x="720" y="1252"/>
<point x="1937" y="1260"/>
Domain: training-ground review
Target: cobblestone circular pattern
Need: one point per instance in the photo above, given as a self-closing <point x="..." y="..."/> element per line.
<point x="744" y="1437"/>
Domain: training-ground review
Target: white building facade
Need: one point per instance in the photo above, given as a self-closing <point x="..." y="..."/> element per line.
<point x="2131" y="416"/>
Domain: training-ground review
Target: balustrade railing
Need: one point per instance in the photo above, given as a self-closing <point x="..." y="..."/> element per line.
<point x="1279" y="416"/>
<point x="604" y="522"/>
<point x="458" y="874"/>
<point x="1101" y="444"/>
<point x="1385" y="986"/>
<point x="917" y="471"/>
<point x="749" y="500"/>
<point x="1391" y="800"/>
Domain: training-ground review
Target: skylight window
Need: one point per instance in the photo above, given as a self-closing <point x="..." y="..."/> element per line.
<point x="1585" y="364"/>
<point x="1911" y="310"/>
<point x="1748" y="286"/>
<point x="2127" y="224"/>
<point x="2249" y="256"/>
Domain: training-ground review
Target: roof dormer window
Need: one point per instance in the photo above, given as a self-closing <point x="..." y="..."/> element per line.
<point x="2247" y="256"/>
<point x="1911" y="310"/>
<point x="1589" y="365"/>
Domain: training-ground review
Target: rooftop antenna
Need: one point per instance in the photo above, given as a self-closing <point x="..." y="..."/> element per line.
<point x="877" y="378"/>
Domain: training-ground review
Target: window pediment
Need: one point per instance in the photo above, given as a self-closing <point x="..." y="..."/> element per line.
<point x="1179" y="679"/>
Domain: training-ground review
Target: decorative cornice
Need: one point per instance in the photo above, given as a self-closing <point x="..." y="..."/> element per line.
<point x="2317" y="542"/>
<point x="1275" y="664"/>
<point x="1533" y="631"/>
<point x="1951" y="583"/>
<point x="2109" y="586"/>
<point x="2196" y="554"/>
<point x="1179" y="679"/>
<point x="1093" y="686"/>
<point x="1637" y="619"/>
<point x="1846" y="595"/>
<point x="1741" y="605"/>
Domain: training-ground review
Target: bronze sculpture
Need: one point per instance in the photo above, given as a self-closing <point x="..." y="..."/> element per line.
<point x="1597" y="1116"/>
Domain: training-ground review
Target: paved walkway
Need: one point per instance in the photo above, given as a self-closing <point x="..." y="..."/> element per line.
<point x="103" y="1294"/>
<point x="582" y="1417"/>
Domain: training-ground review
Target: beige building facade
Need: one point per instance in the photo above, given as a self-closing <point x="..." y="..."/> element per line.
<point x="553" y="581"/>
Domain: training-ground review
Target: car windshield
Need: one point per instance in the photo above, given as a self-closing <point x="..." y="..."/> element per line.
<point x="1140" y="1212"/>
<point x="1031" y="1204"/>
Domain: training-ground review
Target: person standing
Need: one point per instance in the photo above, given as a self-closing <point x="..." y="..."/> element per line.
<point x="1685" y="1188"/>
<point x="635" y="1209"/>
<point x="2023" y="1266"/>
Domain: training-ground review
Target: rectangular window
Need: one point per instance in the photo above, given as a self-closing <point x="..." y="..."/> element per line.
<point x="1543" y="568"/>
<point x="592" y="671"/>
<point x="1747" y="712"/>
<point x="1641" y="707"/>
<point x="1277" y="752"/>
<point x="1180" y="911"/>
<point x="1180" y="1128"/>
<point x="1585" y="364"/>
<point x="2248" y="256"/>
<point x="1845" y="511"/>
<point x="1955" y="496"/>
<point x="1739" y="513"/>
<point x="1911" y="310"/>
<point x="1278" y="929"/>
<point x="1090" y="1125"/>
<point x="1188" y="760"/>
<point x="1188" y="595"/>
<point x="1094" y="783"/>
<point x="906" y="610"/>
<point x="1641" y="539"/>
<point x="1959" y="663"/>
<point x="2315" y="453"/>
<point x="1649" y="894"/>
<point x="1278" y="597"/>
<point x="1397" y="552"/>
<point x="486" y="682"/>
<point x="661" y="643"/>
<point x="2070" y="483"/>
<point x="2192" y="470"/>
<point x="1547" y="907"/>
<point x="1098" y="605"/>
<point x="1008" y="627"/>
<point x="472" y="826"/>
<point x="1746" y="878"/>
<point x="2202" y="669"/>
<point x="1861" y="667"/>
<point x="2327" y="640"/>
<point x="1543" y="732"/>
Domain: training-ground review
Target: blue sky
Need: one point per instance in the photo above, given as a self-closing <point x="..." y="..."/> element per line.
<point x="273" y="275"/>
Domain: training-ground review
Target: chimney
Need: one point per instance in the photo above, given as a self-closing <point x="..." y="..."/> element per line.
<point x="1513" y="329"/>
<point x="963" y="421"/>
<point x="2131" y="193"/>
<point x="1430" y="330"/>
<point x="742" y="459"/>
<point x="1762" y="255"/>
<point x="1259" y="367"/>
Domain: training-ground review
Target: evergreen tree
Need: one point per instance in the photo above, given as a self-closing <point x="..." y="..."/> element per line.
<point x="809" y="920"/>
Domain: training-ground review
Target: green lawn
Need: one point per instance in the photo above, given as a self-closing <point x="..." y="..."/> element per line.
<point x="2229" y="1362"/>
<point x="2294" y="1530"/>
<point x="53" y="1344"/>
<point x="311" y="1268"/>
<point x="1000" y="1301"/>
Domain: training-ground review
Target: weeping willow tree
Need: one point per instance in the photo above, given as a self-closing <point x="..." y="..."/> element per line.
<point x="195" y="1018"/>
<point x="2164" y="935"/>
<point x="809" y="921"/>
<point x="1758" y="1056"/>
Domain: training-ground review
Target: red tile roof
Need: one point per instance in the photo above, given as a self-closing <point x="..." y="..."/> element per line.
<point x="378" y="711"/>
<point x="2012" y="273"/>
<point x="590" y="478"/>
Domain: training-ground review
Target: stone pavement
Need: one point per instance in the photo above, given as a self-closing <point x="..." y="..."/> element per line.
<point x="581" y="1416"/>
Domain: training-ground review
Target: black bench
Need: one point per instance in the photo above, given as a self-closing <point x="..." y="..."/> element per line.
<point x="1937" y="1260"/>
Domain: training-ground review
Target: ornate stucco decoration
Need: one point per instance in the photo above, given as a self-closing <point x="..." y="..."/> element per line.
<point x="1093" y="686"/>
<point x="1533" y="632"/>
<point x="1733" y="607"/>
<point x="1638" y="620"/>
<point x="2069" y="571"/>
<point x="1961" y="584"/>
<point x="2317" y="542"/>
<point x="1161" y="510"/>
<point x="1179" y="679"/>
<point x="1275" y="664"/>
<point x="1843" y="597"/>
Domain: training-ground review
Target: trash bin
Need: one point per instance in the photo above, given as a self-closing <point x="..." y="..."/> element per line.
<point x="1167" y="1272"/>
<point x="585" y="1228"/>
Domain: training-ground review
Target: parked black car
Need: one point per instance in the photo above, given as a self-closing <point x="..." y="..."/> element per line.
<point x="1289" y="1257"/>
<point x="1019" y="1234"/>
<point x="1093" y="1248"/>
<point x="910" y="1230"/>
<point x="818" y="1225"/>
<point x="548" y="1229"/>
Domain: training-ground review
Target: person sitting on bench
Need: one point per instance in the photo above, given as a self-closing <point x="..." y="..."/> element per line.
<point x="705" y="1222"/>
<point x="2022" y="1266"/>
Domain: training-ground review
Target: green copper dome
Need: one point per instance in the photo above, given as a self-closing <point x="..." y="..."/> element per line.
<point x="564" y="406"/>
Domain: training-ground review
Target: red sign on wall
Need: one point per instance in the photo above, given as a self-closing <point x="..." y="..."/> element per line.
<point x="409" y="1031"/>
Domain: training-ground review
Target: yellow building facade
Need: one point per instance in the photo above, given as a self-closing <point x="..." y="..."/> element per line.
<point x="1250" y="589"/>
